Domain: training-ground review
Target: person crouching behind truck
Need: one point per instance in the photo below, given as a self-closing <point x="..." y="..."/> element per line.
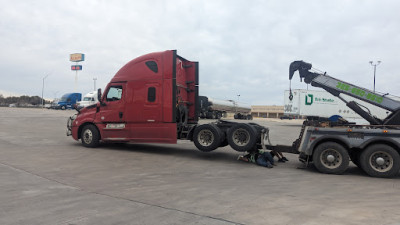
<point x="260" y="157"/>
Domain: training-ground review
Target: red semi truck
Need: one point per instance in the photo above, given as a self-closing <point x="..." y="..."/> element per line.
<point x="153" y="99"/>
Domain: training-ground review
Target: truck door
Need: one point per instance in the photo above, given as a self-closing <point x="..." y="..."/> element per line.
<point x="144" y="113"/>
<point x="112" y="112"/>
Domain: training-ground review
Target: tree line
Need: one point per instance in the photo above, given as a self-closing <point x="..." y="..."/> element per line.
<point x="22" y="101"/>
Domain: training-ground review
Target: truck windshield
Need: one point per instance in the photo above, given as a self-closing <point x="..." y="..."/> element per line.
<point x="88" y="99"/>
<point x="64" y="98"/>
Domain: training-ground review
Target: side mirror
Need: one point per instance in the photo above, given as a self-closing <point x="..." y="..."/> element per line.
<point x="99" y="94"/>
<point x="99" y="98"/>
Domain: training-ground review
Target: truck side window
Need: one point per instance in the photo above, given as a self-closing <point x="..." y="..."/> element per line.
<point x="152" y="65"/>
<point x="114" y="93"/>
<point x="151" y="94"/>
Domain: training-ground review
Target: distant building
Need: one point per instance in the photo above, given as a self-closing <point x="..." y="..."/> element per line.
<point x="267" y="111"/>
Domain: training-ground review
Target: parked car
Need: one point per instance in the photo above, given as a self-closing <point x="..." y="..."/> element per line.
<point x="286" y="117"/>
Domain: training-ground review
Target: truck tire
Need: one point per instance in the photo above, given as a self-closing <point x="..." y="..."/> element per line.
<point x="242" y="137"/>
<point x="331" y="158"/>
<point x="380" y="160"/>
<point x="90" y="136"/>
<point x="219" y="115"/>
<point x="63" y="107"/>
<point x="207" y="137"/>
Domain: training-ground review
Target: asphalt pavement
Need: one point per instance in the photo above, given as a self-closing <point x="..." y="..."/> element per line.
<point x="48" y="178"/>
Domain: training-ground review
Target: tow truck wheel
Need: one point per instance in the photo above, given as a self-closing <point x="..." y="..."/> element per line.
<point x="242" y="137"/>
<point x="331" y="157"/>
<point x="207" y="137"/>
<point x="90" y="136"/>
<point x="380" y="160"/>
<point x="63" y="107"/>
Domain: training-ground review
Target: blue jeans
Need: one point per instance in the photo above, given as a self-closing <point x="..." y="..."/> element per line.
<point x="264" y="159"/>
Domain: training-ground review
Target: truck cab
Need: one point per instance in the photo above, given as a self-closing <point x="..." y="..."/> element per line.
<point x="152" y="99"/>
<point x="89" y="99"/>
<point x="68" y="100"/>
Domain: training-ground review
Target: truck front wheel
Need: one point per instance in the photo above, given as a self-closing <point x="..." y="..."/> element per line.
<point x="331" y="157"/>
<point x="380" y="160"/>
<point x="207" y="137"/>
<point x="90" y="136"/>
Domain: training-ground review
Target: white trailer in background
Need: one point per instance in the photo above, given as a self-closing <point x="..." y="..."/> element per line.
<point x="307" y="103"/>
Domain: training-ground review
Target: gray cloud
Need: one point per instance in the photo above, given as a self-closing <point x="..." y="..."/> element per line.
<point x="244" y="47"/>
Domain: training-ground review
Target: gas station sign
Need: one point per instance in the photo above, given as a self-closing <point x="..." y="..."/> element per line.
<point x="76" y="67"/>
<point x="77" y="57"/>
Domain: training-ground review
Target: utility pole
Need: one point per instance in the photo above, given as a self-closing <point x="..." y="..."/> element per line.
<point x="374" y="65"/>
<point x="237" y="103"/>
<point x="94" y="80"/>
<point x="43" y="89"/>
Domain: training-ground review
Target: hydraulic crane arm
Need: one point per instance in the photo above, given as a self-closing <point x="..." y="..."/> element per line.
<point x="337" y="87"/>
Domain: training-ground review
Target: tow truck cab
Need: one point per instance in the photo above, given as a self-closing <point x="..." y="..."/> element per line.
<point x="151" y="99"/>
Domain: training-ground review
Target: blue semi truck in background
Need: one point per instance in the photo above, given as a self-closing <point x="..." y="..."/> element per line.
<point x="68" y="101"/>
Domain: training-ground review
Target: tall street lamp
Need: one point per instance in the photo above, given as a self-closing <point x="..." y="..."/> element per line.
<point x="374" y="65"/>
<point x="94" y="80"/>
<point x="43" y="89"/>
<point x="237" y="103"/>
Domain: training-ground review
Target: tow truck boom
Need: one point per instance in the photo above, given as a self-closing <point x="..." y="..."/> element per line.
<point x="328" y="145"/>
<point x="337" y="87"/>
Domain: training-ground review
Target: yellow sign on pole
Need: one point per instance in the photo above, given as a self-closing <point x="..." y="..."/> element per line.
<point x="77" y="57"/>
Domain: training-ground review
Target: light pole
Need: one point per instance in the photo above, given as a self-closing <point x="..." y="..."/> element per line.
<point x="43" y="89"/>
<point x="374" y="65"/>
<point x="94" y="80"/>
<point x="237" y="103"/>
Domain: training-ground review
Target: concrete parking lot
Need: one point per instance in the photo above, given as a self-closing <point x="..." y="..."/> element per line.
<point x="48" y="178"/>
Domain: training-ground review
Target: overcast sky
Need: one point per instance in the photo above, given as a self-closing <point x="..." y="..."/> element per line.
<point x="243" y="47"/>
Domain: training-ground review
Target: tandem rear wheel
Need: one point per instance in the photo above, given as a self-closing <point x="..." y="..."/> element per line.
<point x="242" y="137"/>
<point x="207" y="137"/>
<point x="331" y="158"/>
<point x="380" y="160"/>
